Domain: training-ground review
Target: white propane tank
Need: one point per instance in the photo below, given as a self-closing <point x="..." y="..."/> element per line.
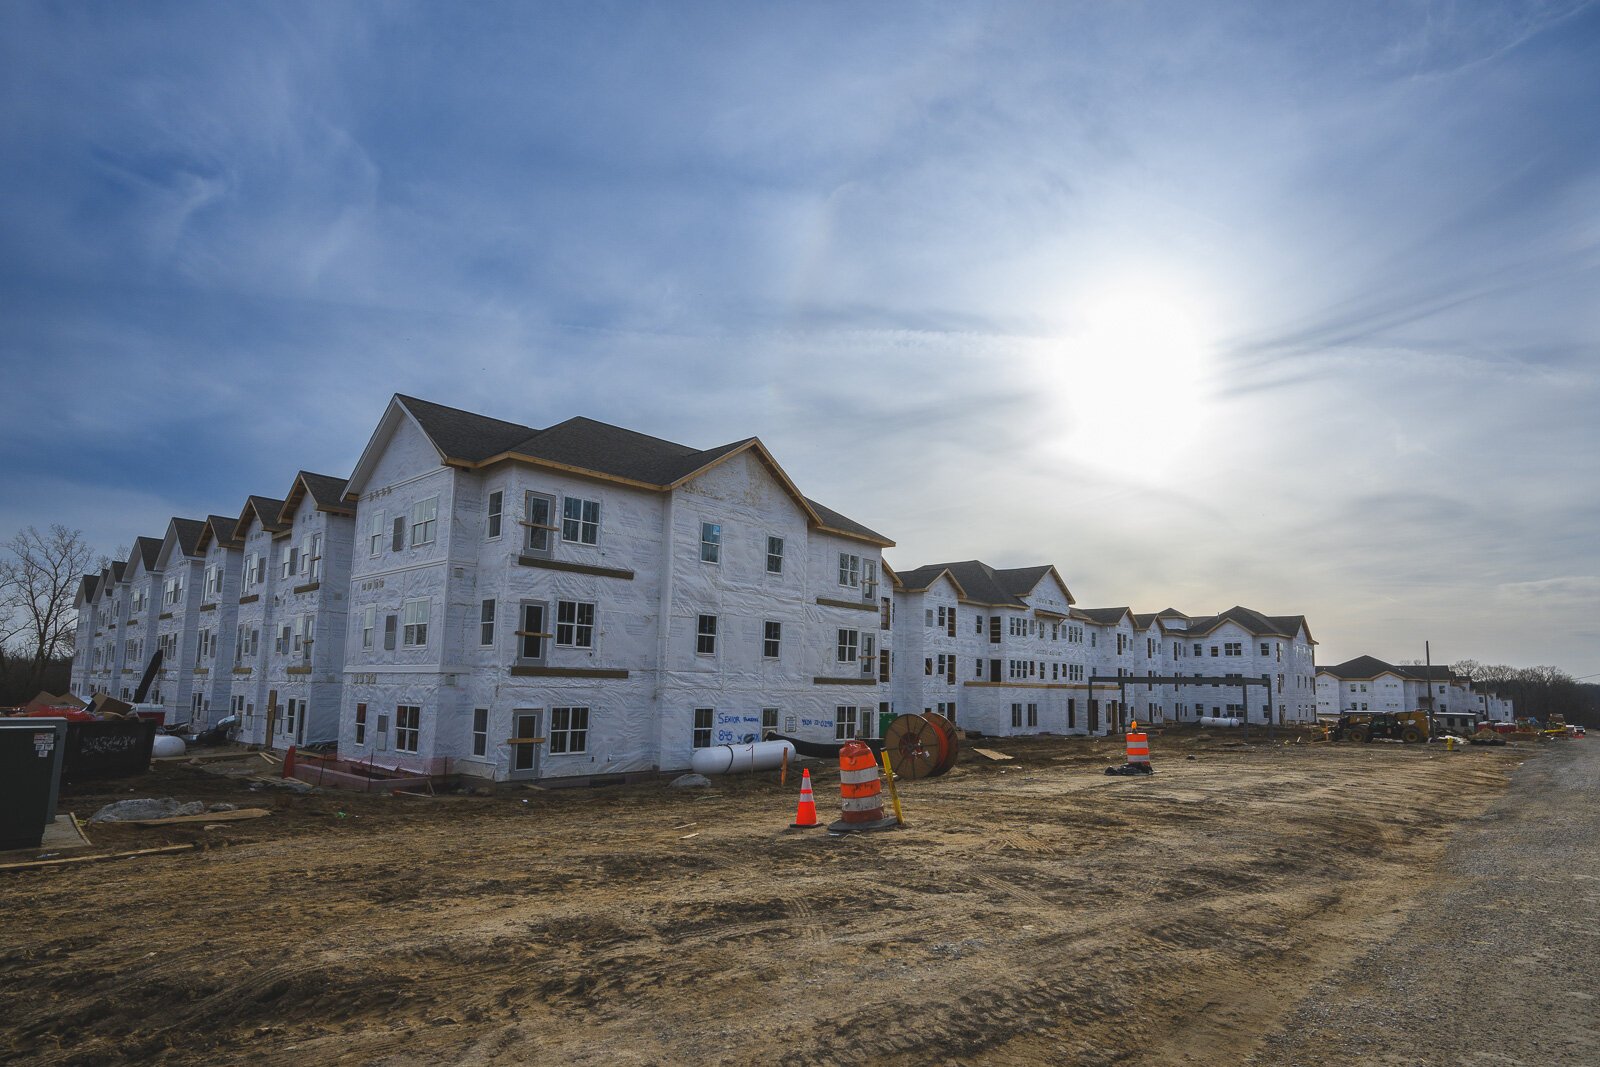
<point x="167" y="745"/>
<point x="730" y="759"/>
<point x="1218" y="720"/>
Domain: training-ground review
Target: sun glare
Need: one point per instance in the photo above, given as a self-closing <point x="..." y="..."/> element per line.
<point x="1130" y="380"/>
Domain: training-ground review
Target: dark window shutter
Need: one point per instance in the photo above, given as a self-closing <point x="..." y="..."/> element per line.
<point x="399" y="540"/>
<point x="390" y="622"/>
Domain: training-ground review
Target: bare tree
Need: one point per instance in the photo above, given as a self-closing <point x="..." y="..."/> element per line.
<point x="39" y="576"/>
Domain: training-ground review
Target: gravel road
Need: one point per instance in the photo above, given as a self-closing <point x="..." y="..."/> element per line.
<point x="1502" y="964"/>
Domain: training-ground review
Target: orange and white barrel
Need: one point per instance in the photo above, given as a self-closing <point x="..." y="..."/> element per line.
<point x="1138" y="745"/>
<point x="860" y="792"/>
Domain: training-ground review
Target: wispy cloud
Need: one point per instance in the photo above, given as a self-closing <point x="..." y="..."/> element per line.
<point x="880" y="239"/>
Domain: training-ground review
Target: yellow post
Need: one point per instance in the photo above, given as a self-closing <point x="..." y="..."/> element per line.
<point x="894" y="794"/>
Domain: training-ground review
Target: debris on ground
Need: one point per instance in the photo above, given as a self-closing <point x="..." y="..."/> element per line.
<point x="146" y="808"/>
<point x="691" y="781"/>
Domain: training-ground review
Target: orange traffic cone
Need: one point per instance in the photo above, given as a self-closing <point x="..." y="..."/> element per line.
<point x="288" y="763"/>
<point x="806" y="815"/>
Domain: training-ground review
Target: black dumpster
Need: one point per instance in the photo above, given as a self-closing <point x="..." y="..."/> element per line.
<point x="30" y="764"/>
<point x="111" y="748"/>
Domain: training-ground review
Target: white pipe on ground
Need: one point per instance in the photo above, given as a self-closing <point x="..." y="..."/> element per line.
<point x="731" y="759"/>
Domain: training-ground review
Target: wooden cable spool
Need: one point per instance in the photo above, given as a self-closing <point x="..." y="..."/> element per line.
<point x="952" y="744"/>
<point x="916" y="745"/>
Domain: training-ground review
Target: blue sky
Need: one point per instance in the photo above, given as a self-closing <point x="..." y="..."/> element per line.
<point x="1288" y="305"/>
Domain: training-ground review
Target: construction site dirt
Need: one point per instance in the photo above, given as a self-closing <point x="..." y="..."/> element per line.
<point x="1031" y="910"/>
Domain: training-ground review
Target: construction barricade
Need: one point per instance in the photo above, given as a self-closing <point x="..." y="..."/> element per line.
<point x="860" y="791"/>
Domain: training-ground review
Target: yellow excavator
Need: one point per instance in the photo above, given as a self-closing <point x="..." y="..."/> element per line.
<point x="1408" y="726"/>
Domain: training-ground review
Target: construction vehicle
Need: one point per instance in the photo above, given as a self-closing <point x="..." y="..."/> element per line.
<point x="1408" y="726"/>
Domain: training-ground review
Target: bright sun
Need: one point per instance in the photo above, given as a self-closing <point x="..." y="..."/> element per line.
<point x="1130" y="380"/>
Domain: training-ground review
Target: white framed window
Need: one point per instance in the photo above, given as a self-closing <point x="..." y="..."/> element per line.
<point x="580" y="521"/>
<point x="298" y="634"/>
<point x="496" y="516"/>
<point x="771" y="639"/>
<point x="846" y="721"/>
<point x="849" y="570"/>
<point x="415" y="634"/>
<point x="711" y="542"/>
<point x="361" y="724"/>
<point x="569" y="731"/>
<point x="574" y="624"/>
<point x="486" y="625"/>
<point x="424" y="521"/>
<point x="376" y="531"/>
<point x="869" y="579"/>
<point x="847" y="647"/>
<point x="774" y="555"/>
<point x="705" y="635"/>
<point x="369" y="619"/>
<point x="480" y="731"/>
<point x="769" y="721"/>
<point x="288" y="559"/>
<point x="705" y="720"/>
<point x="314" y="570"/>
<point x="538" y="511"/>
<point x="868" y="656"/>
<point x="407" y="727"/>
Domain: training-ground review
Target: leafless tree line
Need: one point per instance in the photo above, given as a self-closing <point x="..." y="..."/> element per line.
<point x="39" y="575"/>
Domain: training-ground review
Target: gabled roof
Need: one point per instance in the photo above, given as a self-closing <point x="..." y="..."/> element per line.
<point x="145" y="550"/>
<point x="1253" y="623"/>
<point x="1437" y="673"/>
<point x="1361" y="669"/>
<point x="262" y="509"/>
<point x="1103" y="616"/>
<point x="188" y="534"/>
<point x="580" y="446"/>
<point x="217" y="528"/>
<point x="923" y="578"/>
<point x="183" y="537"/>
<point x="979" y="583"/>
<point x="464" y="435"/>
<point x="834" y="522"/>
<point x="142" y="560"/>
<point x="325" y="492"/>
<point x="1020" y="581"/>
<point x="86" y="587"/>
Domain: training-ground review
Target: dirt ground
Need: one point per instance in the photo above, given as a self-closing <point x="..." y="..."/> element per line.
<point x="1032" y="911"/>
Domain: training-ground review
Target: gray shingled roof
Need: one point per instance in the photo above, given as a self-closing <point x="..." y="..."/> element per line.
<point x="836" y="521"/>
<point x="1252" y="622"/>
<point x="1019" y="581"/>
<point x="188" y="531"/>
<point x="146" y="550"/>
<point x="91" y="582"/>
<point x="1101" y="616"/>
<point x="326" y="490"/>
<point x="464" y="434"/>
<point x="118" y="568"/>
<point x="266" y="509"/>
<point x="585" y="444"/>
<point x="1362" y="667"/>
<point x="980" y="581"/>
<point x="222" y="527"/>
